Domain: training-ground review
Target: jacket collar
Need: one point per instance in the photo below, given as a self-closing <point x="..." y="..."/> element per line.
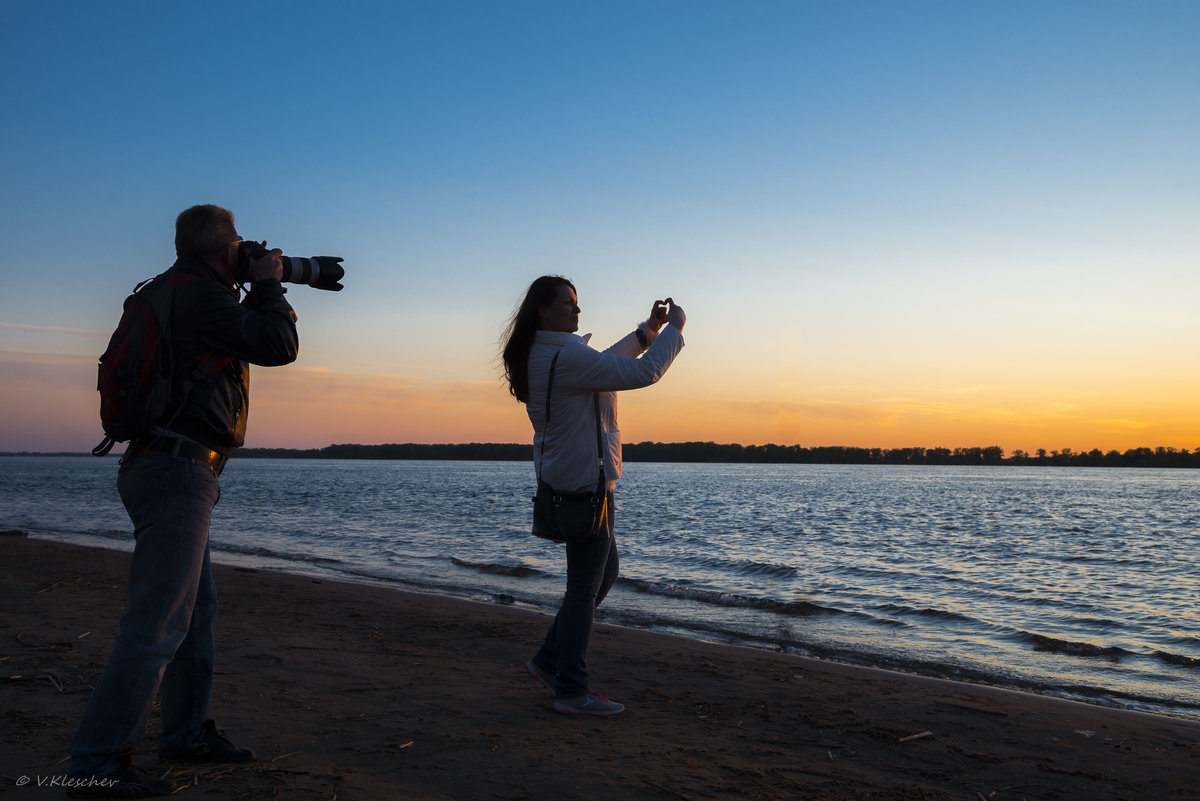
<point x="559" y="338"/>
<point x="197" y="266"/>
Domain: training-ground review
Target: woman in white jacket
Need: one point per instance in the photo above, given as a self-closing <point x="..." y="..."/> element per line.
<point x="565" y="456"/>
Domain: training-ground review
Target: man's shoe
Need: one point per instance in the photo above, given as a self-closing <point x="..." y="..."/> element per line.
<point x="544" y="676"/>
<point x="214" y="747"/>
<point x="126" y="781"/>
<point x="590" y="704"/>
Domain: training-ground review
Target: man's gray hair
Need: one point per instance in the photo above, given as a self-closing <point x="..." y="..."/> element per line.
<point x="202" y="230"/>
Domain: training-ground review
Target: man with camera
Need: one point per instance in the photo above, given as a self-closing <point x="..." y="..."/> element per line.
<point x="168" y="481"/>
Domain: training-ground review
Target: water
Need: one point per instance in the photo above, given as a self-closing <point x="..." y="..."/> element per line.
<point x="1080" y="583"/>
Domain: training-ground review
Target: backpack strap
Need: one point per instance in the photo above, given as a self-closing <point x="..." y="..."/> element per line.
<point x="209" y="365"/>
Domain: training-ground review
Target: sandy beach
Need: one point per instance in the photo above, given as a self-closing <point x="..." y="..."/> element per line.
<point x="355" y="692"/>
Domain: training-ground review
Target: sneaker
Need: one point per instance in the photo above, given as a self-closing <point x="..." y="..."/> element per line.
<point x="214" y="747"/>
<point x="126" y="781"/>
<point x="590" y="704"/>
<point x="544" y="676"/>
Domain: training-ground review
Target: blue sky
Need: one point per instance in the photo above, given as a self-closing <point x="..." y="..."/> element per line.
<point x="935" y="223"/>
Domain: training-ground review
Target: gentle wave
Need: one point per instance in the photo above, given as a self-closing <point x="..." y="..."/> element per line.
<point x="753" y="568"/>
<point x="933" y="614"/>
<point x="1178" y="659"/>
<point x="267" y="553"/>
<point x="728" y="599"/>
<point x="516" y="571"/>
<point x="1087" y="650"/>
<point x="1041" y="642"/>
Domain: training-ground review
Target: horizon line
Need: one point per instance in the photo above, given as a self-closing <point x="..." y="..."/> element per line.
<point x="938" y="449"/>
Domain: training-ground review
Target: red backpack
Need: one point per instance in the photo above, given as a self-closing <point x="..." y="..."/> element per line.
<point x="137" y="368"/>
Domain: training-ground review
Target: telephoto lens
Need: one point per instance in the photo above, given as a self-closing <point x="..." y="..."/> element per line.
<point x="320" y="272"/>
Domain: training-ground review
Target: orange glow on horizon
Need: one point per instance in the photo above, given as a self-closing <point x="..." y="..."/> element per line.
<point x="48" y="404"/>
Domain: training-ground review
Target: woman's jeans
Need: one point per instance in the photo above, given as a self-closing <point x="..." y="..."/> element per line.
<point x="165" y="641"/>
<point x="592" y="568"/>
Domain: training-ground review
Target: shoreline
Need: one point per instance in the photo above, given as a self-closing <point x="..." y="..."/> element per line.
<point x="616" y="617"/>
<point x="357" y="691"/>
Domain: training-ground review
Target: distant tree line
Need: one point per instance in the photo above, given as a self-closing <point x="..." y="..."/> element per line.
<point x="758" y="454"/>
<point x="1134" y="457"/>
<point x="839" y="454"/>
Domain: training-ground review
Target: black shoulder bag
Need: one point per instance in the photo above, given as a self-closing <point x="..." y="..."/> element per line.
<point x="570" y="516"/>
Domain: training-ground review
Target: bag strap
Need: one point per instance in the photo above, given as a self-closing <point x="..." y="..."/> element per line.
<point x="600" y="485"/>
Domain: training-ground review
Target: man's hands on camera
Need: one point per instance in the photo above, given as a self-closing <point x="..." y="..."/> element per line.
<point x="267" y="266"/>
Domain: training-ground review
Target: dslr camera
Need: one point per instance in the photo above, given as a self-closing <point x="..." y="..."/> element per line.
<point x="321" y="272"/>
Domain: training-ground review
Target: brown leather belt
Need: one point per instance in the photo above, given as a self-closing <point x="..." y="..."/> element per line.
<point x="177" y="446"/>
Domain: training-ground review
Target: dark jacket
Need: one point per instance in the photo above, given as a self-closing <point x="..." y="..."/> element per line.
<point x="206" y="320"/>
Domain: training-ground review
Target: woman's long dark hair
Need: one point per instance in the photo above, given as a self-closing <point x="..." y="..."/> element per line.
<point x="522" y="328"/>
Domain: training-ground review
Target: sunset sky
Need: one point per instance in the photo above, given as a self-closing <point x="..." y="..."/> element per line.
<point x="960" y="223"/>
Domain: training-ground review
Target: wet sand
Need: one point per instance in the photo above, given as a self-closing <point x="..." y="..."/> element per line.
<point x="358" y="693"/>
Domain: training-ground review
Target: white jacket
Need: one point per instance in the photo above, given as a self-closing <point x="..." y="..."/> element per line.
<point x="569" y="462"/>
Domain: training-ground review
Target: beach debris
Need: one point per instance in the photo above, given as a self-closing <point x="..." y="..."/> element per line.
<point x="918" y="736"/>
<point x="195" y="777"/>
<point x="670" y="791"/>
<point x="973" y="708"/>
<point x="63" y="583"/>
<point x="81" y="636"/>
<point x="1085" y="732"/>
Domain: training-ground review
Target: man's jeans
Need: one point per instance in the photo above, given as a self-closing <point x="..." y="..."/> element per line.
<point x="592" y="568"/>
<point x="166" y="636"/>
